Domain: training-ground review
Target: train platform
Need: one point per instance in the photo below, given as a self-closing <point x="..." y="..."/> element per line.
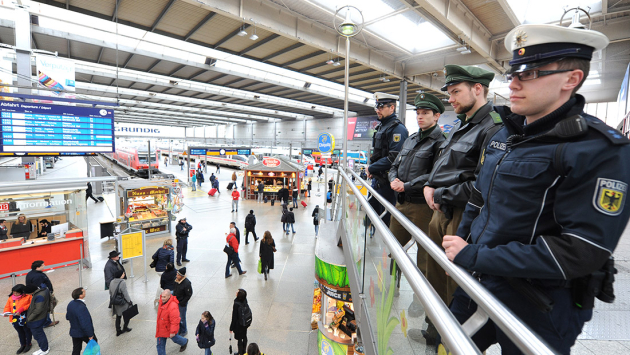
<point x="281" y="306"/>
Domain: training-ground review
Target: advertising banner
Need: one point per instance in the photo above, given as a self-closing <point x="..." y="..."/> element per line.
<point x="6" y="78"/>
<point x="140" y="130"/>
<point x="56" y="74"/>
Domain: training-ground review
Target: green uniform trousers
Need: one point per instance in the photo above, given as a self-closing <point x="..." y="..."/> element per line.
<point x="419" y="214"/>
<point x="438" y="228"/>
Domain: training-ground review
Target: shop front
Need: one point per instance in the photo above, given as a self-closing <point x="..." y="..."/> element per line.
<point x="43" y="221"/>
<point x="333" y="311"/>
<point x="146" y="205"/>
<point x="274" y="172"/>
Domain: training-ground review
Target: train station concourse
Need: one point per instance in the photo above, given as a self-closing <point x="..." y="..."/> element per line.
<point x="315" y="177"/>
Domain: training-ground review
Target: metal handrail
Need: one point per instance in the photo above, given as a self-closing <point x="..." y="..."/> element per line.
<point x="453" y="334"/>
<point x="516" y="331"/>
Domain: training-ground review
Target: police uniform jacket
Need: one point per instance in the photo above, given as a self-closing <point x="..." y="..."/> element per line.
<point x="414" y="163"/>
<point x="387" y="142"/>
<point x="456" y="168"/>
<point x="554" y="204"/>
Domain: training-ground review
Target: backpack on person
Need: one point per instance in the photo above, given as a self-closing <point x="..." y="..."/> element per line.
<point x="244" y="315"/>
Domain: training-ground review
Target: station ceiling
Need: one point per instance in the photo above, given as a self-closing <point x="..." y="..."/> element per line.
<point x="295" y="35"/>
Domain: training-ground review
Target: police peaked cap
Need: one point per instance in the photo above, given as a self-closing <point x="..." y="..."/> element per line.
<point x="533" y="46"/>
<point x="428" y="101"/>
<point x="383" y="98"/>
<point x="456" y="74"/>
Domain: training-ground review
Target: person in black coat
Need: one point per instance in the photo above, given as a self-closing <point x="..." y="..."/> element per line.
<point x="237" y="234"/>
<point x="283" y="219"/>
<point x="81" y="326"/>
<point x="250" y="226"/>
<point x="240" y="332"/>
<point x="267" y="248"/>
<point x="167" y="280"/>
<point x="183" y="291"/>
<point x="181" y="232"/>
<point x="88" y="193"/>
<point x="44" y="228"/>
<point x="36" y="277"/>
<point x="294" y="196"/>
<point x="290" y="220"/>
<point x="3" y="229"/>
<point x="205" y="332"/>
<point x="310" y="185"/>
<point x="21" y="228"/>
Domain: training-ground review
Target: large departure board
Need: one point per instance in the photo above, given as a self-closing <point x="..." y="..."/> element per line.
<point x="41" y="129"/>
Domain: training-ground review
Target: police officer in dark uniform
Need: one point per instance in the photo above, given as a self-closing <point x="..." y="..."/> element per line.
<point x="450" y="183"/>
<point x="387" y="142"/>
<point x="553" y="187"/>
<point x="410" y="171"/>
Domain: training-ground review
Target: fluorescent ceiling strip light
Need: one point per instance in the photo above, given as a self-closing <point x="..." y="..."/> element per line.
<point x="139" y="109"/>
<point x="162" y="46"/>
<point x="185" y="99"/>
<point x="162" y="80"/>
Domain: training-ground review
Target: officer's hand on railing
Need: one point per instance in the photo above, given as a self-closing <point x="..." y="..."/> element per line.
<point x="398" y="185"/>
<point x="452" y="245"/>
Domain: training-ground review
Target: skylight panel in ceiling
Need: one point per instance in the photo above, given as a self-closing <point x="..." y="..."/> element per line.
<point x="410" y="33"/>
<point x="548" y="11"/>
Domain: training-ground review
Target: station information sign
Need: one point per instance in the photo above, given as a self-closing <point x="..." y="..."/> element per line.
<point x="220" y="151"/>
<point x="42" y="129"/>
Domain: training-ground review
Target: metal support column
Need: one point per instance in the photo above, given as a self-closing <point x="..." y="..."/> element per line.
<point x="402" y="101"/>
<point x="22" y="20"/>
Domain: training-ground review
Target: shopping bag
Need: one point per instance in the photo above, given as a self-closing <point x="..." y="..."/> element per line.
<point x="259" y="266"/>
<point x="92" y="348"/>
<point x="130" y="312"/>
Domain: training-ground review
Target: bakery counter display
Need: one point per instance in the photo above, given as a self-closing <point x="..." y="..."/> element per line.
<point x="147" y="207"/>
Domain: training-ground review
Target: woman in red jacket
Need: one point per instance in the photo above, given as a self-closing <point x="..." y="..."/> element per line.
<point x="17" y="304"/>
<point x="168" y="323"/>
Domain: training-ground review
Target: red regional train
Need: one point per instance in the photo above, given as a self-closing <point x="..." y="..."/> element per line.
<point x="136" y="159"/>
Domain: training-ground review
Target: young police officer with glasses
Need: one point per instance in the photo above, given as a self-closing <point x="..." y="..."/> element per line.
<point x="549" y="204"/>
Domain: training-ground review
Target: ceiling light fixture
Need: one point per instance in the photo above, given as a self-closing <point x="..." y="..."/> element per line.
<point x="330" y="61"/>
<point x="462" y="48"/>
<point x="242" y="32"/>
<point x="467" y="51"/>
<point x="254" y="36"/>
<point x="336" y="64"/>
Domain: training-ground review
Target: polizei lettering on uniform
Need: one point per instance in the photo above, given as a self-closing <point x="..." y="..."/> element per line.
<point x="613" y="185"/>
<point x="497" y="145"/>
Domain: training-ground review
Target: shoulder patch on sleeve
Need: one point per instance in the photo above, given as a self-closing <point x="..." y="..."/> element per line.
<point x="610" y="196"/>
<point x="496" y="117"/>
<point x="396" y="137"/>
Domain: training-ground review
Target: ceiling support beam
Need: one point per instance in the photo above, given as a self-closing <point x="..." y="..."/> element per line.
<point x="68" y="47"/>
<point x="176" y="70"/>
<point x="336" y="69"/>
<point x="100" y="54"/>
<point x="282" y="51"/>
<point x="230" y="35"/>
<point x="304" y="57"/>
<point x="34" y="41"/>
<point x="197" y="74"/>
<point x="365" y="71"/>
<point x="258" y="44"/>
<point x="115" y="14"/>
<point x="153" y="65"/>
<point x="510" y="13"/>
<point x="200" y="24"/>
<point x="128" y="60"/>
<point x="164" y="11"/>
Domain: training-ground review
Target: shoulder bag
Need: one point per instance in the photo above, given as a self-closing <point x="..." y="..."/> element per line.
<point x="228" y="248"/>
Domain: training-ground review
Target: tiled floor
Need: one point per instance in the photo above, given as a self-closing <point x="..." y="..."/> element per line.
<point x="281" y="306"/>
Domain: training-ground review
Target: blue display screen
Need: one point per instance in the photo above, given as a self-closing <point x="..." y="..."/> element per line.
<point x="32" y="128"/>
<point x="307" y="151"/>
<point x="244" y="151"/>
<point x="197" y="152"/>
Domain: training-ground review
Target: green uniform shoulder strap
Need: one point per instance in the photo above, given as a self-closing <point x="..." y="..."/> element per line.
<point x="496" y="117"/>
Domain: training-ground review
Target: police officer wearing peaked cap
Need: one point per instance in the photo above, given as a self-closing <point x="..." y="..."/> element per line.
<point x="387" y="142"/>
<point x="550" y="202"/>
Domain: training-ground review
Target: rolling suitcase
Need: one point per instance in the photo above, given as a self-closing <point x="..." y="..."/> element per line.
<point x="303" y="204"/>
<point x="273" y="201"/>
<point x="230" y="185"/>
<point x="265" y="199"/>
<point x="100" y="199"/>
<point x="212" y="192"/>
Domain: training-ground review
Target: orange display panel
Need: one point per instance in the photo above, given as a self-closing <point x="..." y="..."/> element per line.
<point x="54" y="252"/>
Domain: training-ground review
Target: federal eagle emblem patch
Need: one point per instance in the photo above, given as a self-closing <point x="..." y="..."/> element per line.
<point x="397" y="137"/>
<point x="610" y="196"/>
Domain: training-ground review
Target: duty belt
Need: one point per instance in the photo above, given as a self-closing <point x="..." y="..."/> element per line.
<point x="403" y="197"/>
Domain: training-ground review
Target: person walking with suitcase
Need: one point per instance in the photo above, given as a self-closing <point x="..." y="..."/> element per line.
<point x="88" y="193"/>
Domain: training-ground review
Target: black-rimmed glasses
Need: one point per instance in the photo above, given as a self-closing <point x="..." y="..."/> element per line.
<point x="534" y="74"/>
